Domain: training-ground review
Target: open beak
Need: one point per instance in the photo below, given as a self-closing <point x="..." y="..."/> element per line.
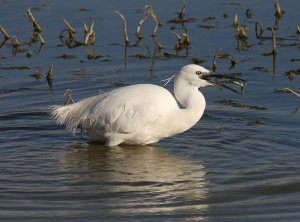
<point x="222" y="79"/>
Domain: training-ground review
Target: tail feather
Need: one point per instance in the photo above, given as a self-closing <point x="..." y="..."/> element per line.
<point x="66" y="115"/>
<point x="78" y="114"/>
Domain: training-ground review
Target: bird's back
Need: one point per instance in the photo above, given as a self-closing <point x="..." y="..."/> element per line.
<point x="132" y="114"/>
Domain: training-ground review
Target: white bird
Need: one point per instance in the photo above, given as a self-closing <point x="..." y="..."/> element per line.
<point x="141" y="113"/>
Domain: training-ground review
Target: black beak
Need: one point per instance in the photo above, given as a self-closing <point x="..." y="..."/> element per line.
<point x="220" y="80"/>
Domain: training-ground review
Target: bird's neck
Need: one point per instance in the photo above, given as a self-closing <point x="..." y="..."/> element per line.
<point x="192" y="103"/>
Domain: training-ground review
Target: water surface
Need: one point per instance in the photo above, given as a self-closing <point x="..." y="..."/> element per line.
<point x="239" y="163"/>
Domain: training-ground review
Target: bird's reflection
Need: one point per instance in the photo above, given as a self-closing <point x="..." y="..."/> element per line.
<point x="137" y="180"/>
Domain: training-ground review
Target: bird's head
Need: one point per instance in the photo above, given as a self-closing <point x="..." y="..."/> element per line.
<point x="199" y="77"/>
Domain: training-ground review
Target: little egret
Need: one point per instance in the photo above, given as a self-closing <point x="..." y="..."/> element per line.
<point x="141" y="113"/>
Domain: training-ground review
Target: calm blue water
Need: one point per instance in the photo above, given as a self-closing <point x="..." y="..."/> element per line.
<point x="239" y="163"/>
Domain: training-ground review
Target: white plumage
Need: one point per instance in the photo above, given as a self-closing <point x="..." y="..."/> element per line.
<point x="139" y="114"/>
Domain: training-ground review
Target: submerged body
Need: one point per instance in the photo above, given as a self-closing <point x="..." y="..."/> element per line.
<point x="139" y="114"/>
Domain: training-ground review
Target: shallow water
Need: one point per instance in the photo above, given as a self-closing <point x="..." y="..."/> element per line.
<point x="239" y="163"/>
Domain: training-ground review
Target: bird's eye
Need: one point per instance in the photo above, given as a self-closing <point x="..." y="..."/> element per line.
<point x="198" y="72"/>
